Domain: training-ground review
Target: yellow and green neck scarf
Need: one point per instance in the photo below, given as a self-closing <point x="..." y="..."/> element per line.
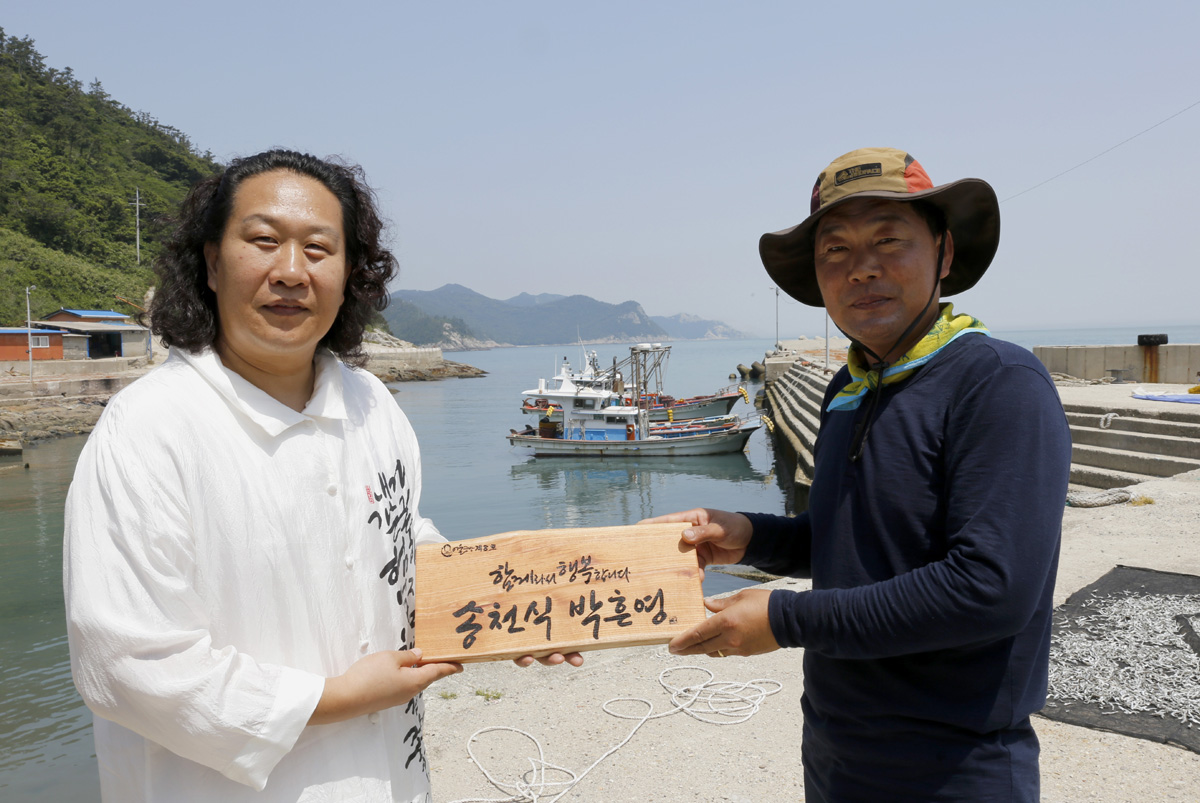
<point x="947" y="328"/>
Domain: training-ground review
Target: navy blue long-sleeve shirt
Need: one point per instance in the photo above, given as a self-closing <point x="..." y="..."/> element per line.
<point x="933" y="560"/>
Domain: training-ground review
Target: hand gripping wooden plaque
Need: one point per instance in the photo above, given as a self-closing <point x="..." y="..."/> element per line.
<point x="536" y="592"/>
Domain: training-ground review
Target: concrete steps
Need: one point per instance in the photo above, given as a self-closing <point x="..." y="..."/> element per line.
<point x="1167" y="422"/>
<point x="1119" y="448"/>
<point x="1111" y="448"/>
<point x="794" y="405"/>
<point x="1168" y="445"/>
<point x="1129" y="460"/>
<point x="1089" y="477"/>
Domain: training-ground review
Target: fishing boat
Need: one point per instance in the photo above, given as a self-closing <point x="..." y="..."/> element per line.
<point x="661" y="406"/>
<point x="598" y="420"/>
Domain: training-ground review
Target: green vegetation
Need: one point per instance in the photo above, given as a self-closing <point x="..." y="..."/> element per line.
<point x="489" y="694"/>
<point x="406" y="321"/>
<point x="62" y="280"/>
<point x="71" y="161"/>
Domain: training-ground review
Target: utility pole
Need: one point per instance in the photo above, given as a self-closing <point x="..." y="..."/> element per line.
<point x="826" y="339"/>
<point x="137" y="205"/>
<point x="29" y="331"/>
<point x="776" y="289"/>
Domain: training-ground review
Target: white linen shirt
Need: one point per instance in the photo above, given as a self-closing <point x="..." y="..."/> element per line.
<point x="224" y="554"/>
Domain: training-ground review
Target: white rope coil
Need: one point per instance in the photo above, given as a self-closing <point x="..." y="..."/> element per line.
<point x="1107" y="419"/>
<point x="712" y="701"/>
<point x="1114" y="496"/>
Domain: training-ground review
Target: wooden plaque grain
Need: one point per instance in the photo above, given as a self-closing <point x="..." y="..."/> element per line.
<point x="535" y="592"/>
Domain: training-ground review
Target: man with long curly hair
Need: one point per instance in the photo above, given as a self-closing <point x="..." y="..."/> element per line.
<point x="241" y="527"/>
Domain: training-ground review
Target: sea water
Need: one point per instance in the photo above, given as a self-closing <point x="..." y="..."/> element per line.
<point x="46" y="750"/>
<point x="476" y="484"/>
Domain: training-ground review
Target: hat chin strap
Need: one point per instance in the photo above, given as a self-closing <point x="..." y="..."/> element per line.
<point x="864" y="425"/>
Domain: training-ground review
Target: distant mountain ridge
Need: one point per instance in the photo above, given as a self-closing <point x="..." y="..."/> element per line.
<point x="692" y="327"/>
<point x="464" y="316"/>
<point x="528" y="300"/>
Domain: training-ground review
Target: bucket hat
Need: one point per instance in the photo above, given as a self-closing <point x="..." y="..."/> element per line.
<point x="970" y="207"/>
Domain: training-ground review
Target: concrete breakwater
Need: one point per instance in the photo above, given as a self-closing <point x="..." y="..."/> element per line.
<point x="1176" y="363"/>
<point x="69" y="377"/>
<point x="66" y="397"/>
<point x="1119" y="441"/>
<point x="415" y="364"/>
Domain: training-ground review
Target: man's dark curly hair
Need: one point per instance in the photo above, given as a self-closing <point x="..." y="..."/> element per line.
<point x="184" y="310"/>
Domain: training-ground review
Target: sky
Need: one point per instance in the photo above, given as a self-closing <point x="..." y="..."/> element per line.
<point x="637" y="150"/>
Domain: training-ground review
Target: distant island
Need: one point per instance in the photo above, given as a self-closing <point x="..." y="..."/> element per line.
<point x="456" y="318"/>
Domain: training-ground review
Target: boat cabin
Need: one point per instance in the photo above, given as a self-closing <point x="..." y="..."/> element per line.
<point x="605" y="424"/>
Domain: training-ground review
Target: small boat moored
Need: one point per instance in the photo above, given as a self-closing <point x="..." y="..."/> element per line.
<point x="597" y="418"/>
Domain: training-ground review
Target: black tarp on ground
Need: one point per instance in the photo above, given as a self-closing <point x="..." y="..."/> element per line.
<point x="1125" y="651"/>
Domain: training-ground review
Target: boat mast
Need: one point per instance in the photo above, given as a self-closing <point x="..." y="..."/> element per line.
<point x="637" y="365"/>
<point x="647" y="364"/>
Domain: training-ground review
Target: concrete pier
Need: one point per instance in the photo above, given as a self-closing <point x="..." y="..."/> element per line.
<point x="69" y="377"/>
<point x="1118" y="441"/>
<point x="107" y="376"/>
<point x="794" y="406"/>
<point x="382" y="358"/>
<point x="1170" y="364"/>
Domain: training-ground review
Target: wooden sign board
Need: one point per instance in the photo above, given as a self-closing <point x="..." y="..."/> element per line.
<point x="536" y="592"/>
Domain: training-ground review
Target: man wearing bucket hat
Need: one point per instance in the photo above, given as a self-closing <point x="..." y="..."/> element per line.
<point x="935" y="512"/>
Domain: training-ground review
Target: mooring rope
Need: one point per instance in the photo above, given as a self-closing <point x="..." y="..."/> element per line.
<point x="714" y="702"/>
<point x="1114" y="496"/>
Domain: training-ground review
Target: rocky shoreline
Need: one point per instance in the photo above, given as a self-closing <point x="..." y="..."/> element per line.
<point x="38" y="418"/>
<point x="447" y="370"/>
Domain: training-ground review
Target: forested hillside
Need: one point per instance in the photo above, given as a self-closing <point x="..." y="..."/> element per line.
<point x="554" y="319"/>
<point x="62" y="280"/>
<point x="408" y="322"/>
<point x="72" y="160"/>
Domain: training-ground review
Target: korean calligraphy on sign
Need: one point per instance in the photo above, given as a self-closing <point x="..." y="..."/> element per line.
<point x="537" y="592"/>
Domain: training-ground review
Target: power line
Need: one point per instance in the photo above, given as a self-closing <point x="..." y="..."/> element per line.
<point x="1097" y="156"/>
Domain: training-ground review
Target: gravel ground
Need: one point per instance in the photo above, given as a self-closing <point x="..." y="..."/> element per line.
<point x="679" y="758"/>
